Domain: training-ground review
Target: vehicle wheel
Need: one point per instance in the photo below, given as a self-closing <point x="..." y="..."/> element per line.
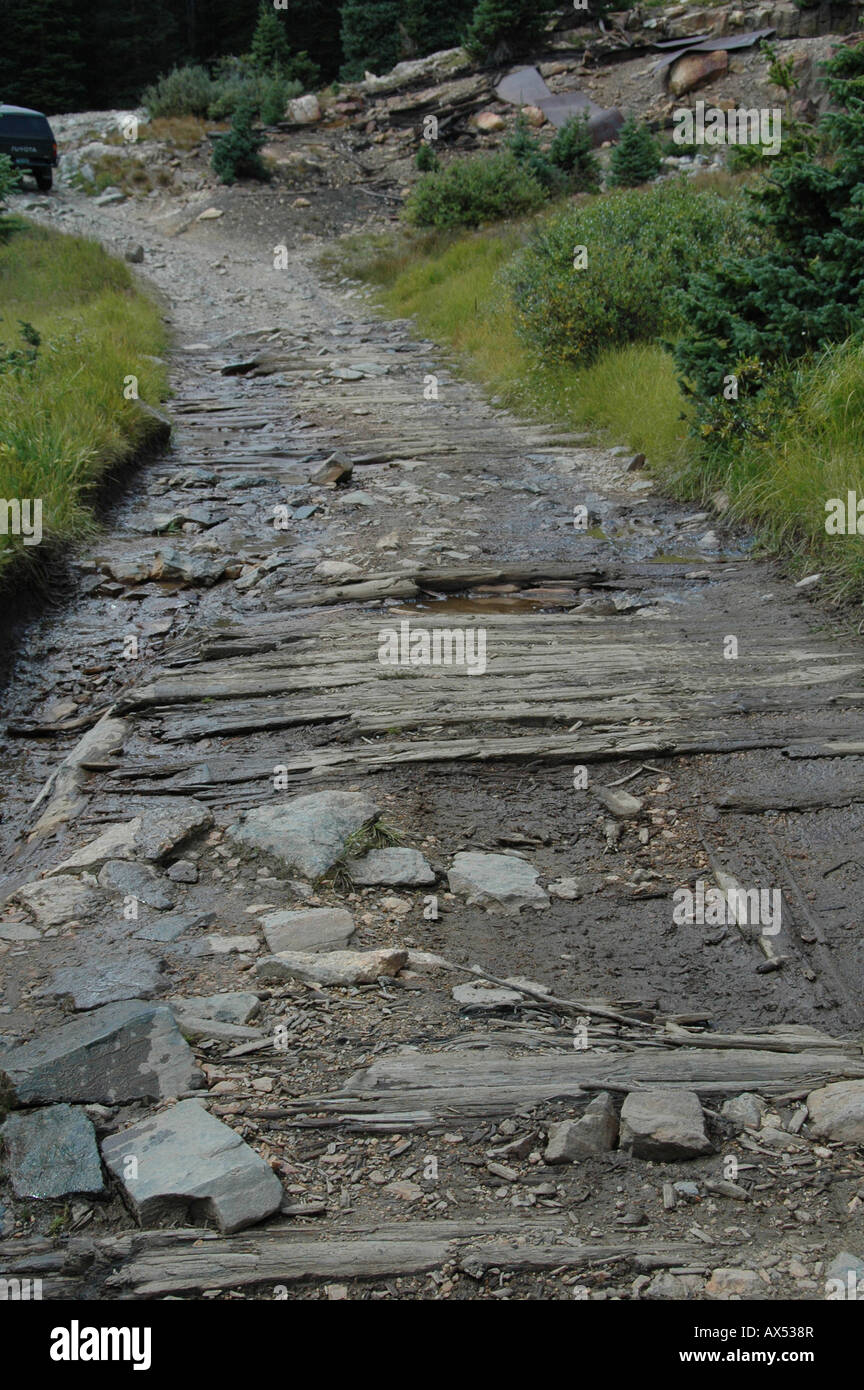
<point x="44" y="180"/>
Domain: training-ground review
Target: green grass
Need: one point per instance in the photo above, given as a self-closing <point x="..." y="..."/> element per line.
<point x="65" y="421"/>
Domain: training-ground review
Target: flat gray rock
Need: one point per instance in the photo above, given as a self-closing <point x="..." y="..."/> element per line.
<point x="166" y="824"/>
<point x="309" y="929"/>
<point x="331" y="967"/>
<point x="169" y="928"/>
<point x="136" y="881"/>
<point x="54" y="901"/>
<point x="395" y="867"/>
<point x="191" y="1169"/>
<point x="236" y="1007"/>
<point x="121" y="1052"/>
<point x="486" y="998"/>
<point x="307" y="834"/>
<point x="501" y="880"/>
<point x="119" y="974"/>
<point x="52" y="1152"/>
<point x="837" y="1112"/>
<point x="663" y="1124"/>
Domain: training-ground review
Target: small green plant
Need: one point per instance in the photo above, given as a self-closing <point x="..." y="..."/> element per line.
<point x="375" y="835"/>
<point x="20" y="359"/>
<point x="237" y="154"/>
<point x="426" y="160"/>
<point x="636" y="158"/>
<point x="474" y="191"/>
<point x="572" y="151"/>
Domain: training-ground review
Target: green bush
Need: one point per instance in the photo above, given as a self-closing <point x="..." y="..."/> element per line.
<point x="237" y="154"/>
<point x="503" y="29"/>
<point x="9" y="177"/>
<point x="636" y="158"/>
<point x="483" y="189"/>
<point x="182" y="92"/>
<point x="802" y="288"/>
<point x="237" y="84"/>
<point x="572" y="151"/>
<point x="640" y="244"/>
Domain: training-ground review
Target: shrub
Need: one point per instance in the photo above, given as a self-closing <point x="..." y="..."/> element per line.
<point x="635" y="158"/>
<point x="803" y="287"/>
<point x="530" y="155"/>
<point x="9" y="177"/>
<point x="183" y="92"/>
<point x="641" y="244"/>
<point x="572" y="151"/>
<point x="472" y="191"/>
<point x="237" y="154"/>
<point x="426" y="160"/>
<point x="503" y="29"/>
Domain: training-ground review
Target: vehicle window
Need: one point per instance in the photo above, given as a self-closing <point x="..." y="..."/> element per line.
<point x="27" y="126"/>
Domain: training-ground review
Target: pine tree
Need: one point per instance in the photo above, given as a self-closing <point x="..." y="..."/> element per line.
<point x="527" y="151"/>
<point x="635" y="158"/>
<point x="270" y="50"/>
<point x="572" y="151"/>
<point x="805" y="288"/>
<point x="504" y="29"/>
<point x="435" y="24"/>
<point x="372" y="37"/>
<point x="42" y="55"/>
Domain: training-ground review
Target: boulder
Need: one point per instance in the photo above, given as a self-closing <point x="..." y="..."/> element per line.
<point x="501" y="880"/>
<point x="837" y="1112"/>
<point x="54" y="901"/>
<point x="120" y="1052"/>
<point x="309" y="929"/>
<point x="663" y="1125"/>
<point x="183" y="1166"/>
<point x="52" y="1153"/>
<point x="305" y="110"/>
<point x="331" y="967"/>
<point x="695" y="70"/>
<point x="167" y="823"/>
<point x="594" y="1132"/>
<point x="396" y="867"/>
<point x="308" y="834"/>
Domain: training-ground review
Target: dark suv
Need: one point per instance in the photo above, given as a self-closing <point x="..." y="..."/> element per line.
<point x="29" y="141"/>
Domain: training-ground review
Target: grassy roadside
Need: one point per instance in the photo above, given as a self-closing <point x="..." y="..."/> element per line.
<point x="64" y="420"/>
<point x="778" y="480"/>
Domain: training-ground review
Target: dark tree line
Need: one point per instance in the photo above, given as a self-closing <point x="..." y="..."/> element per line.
<point x="67" y="55"/>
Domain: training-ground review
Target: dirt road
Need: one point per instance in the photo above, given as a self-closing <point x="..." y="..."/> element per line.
<point x="605" y="645"/>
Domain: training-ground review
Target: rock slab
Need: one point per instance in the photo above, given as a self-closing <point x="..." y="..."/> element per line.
<point x="663" y="1124"/>
<point x="309" y="929"/>
<point x="307" y="834"/>
<point x="501" y="880"/>
<point x="183" y="1165"/>
<point x="52" y="1152"/>
<point x="121" y="1052"/>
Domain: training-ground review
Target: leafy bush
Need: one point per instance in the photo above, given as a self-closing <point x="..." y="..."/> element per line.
<point x="237" y="84"/>
<point x="183" y="92"/>
<point x="530" y="155"/>
<point x="640" y="243"/>
<point x="803" y="288"/>
<point x="472" y="191"/>
<point x="237" y="154"/>
<point x="503" y="29"/>
<point x="635" y="158"/>
<point x="572" y="151"/>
